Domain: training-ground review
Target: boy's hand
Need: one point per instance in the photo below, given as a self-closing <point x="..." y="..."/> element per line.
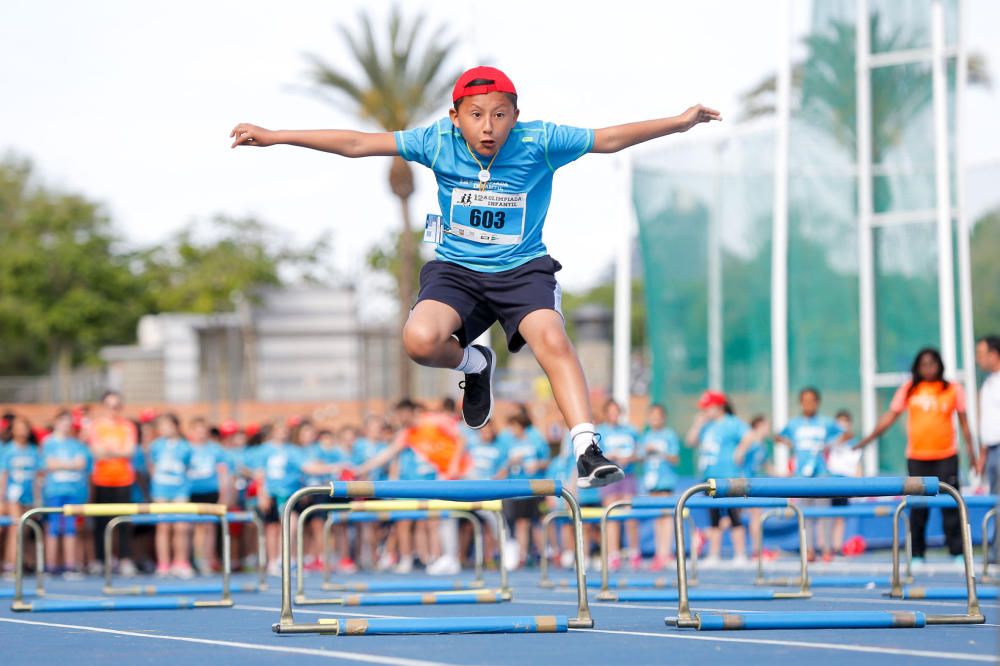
<point x="246" y="134"/>
<point x="698" y="114"/>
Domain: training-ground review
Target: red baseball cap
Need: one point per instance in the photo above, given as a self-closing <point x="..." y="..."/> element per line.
<point x="228" y="427"/>
<point x="501" y="83"/>
<point x="712" y="399"/>
<point x="147" y="415"/>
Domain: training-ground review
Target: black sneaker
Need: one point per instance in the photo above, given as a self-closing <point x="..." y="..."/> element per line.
<point x="594" y="470"/>
<point x="477" y="405"/>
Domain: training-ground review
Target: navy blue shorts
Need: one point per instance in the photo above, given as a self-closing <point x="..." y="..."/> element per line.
<point x="481" y="299"/>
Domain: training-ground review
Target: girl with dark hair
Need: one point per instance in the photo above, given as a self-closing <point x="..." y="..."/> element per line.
<point x="171" y="458"/>
<point x="930" y="401"/>
<point x="19" y="466"/>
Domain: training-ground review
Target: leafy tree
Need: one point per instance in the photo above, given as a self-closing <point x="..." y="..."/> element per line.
<point x="67" y="287"/>
<point x="205" y="273"/>
<point x="986" y="273"/>
<point x="402" y="82"/>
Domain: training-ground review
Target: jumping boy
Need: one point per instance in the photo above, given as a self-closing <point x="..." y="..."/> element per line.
<point x="494" y="178"/>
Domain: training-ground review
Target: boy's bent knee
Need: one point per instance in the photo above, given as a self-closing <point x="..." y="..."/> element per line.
<point x="421" y="342"/>
<point x="554" y="342"/>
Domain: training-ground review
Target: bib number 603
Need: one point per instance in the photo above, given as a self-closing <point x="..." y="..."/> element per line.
<point x="487" y="219"/>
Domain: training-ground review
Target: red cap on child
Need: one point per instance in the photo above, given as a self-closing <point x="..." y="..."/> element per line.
<point x="501" y="83"/>
<point x="712" y="399"/>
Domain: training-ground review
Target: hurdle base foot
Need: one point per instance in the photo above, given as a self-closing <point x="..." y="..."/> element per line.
<point x="801" y="594"/>
<point x="681" y="622"/>
<point x="20" y="607"/>
<point x="546" y="584"/>
<point x="974" y="618"/>
<point x="506" y="595"/>
<point x="581" y="623"/>
<point x="606" y="595"/>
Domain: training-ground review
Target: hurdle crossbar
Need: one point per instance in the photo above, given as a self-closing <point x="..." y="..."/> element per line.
<point x="824" y="488"/>
<point x="154" y="603"/>
<point x="471" y="491"/>
<point x="234" y="517"/>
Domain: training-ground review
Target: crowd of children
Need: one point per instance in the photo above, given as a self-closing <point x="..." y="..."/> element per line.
<point x="80" y="458"/>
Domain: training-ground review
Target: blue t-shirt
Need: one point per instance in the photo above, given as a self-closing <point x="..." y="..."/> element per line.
<point x="618" y="440"/>
<point x="282" y="466"/>
<point x="171" y="460"/>
<point x="70" y="483"/>
<point x="412" y="467"/>
<point x="719" y="440"/>
<point x="500" y="228"/>
<point x="21" y="464"/>
<point x="203" y="472"/>
<point x="487" y="458"/>
<point x="364" y="450"/>
<point x="331" y="456"/>
<point x="754" y="459"/>
<point x="658" y="473"/>
<point x="809" y="437"/>
<point x="526" y="449"/>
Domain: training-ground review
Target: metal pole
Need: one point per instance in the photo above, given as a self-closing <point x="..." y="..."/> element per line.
<point x="715" y="353"/>
<point x="967" y="341"/>
<point x="621" y="365"/>
<point x="866" y="256"/>
<point x="779" y="232"/>
<point x="942" y="179"/>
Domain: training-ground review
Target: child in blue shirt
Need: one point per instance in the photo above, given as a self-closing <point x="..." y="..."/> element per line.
<point x="718" y="433"/>
<point x="67" y="462"/>
<point x="809" y="436"/>
<point x="752" y="455"/>
<point x="522" y="461"/>
<point x="620" y="443"/>
<point x="18" y="477"/>
<point x="327" y="458"/>
<point x="208" y="476"/>
<point x="661" y="448"/>
<point x="170" y="455"/>
<point x="494" y="178"/>
<point x="278" y="469"/>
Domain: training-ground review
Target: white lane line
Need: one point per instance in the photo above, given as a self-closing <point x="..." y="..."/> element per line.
<point x="328" y="654"/>
<point x="307" y="611"/>
<point x="957" y="656"/>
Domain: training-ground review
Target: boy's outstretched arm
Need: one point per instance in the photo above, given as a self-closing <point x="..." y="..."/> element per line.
<point x="619" y="137"/>
<point x="347" y="143"/>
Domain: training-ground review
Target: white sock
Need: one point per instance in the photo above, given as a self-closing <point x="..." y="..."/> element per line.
<point x="473" y="361"/>
<point x="583" y="436"/>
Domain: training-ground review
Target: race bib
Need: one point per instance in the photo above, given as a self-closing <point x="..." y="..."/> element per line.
<point x="495" y="218"/>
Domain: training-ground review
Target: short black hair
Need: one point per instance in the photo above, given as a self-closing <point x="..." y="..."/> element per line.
<point x="757" y="420"/>
<point x="407" y="403"/>
<point x="485" y="82"/>
<point x="844" y="414"/>
<point x="992" y="342"/>
<point x="813" y="390"/>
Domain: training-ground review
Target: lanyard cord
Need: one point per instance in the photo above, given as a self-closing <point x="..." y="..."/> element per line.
<point x="482" y="183"/>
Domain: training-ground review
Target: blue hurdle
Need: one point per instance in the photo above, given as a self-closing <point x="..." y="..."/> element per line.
<point x="153" y="603"/>
<point x="461" y="510"/>
<point x="991" y="515"/>
<point x="233" y="517"/>
<point x="670" y="503"/>
<point x="462" y="491"/>
<point x="382" y="511"/>
<point x="897" y="590"/>
<point x="595" y="515"/>
<point x="823" y="488"/>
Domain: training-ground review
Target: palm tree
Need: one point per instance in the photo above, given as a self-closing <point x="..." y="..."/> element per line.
<point x="401" y="83"/>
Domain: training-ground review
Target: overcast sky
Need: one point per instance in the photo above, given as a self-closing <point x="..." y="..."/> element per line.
<point x="131" y="103"/>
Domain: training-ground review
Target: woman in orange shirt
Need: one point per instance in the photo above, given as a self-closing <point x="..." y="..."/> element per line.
<point x="930" y="402"/>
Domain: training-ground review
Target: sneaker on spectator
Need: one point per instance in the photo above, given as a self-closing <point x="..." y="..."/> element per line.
<point x="446" y="565"/>
<point x="182" y="570"/>
<point x="659" y="563"/>
<point x="127" y="568"/>
<point x="345" y="566"/>
<point x="72" y="575"/>
<point x="614" y="562"/>
<point x="313" y="564"/>
<point x="385" y="561"/>
<point x="712" y="561"/>
<point x="635" y="561"/>
<point x="405" y="565"/>
<point x="162" y="571"/>
<point x="567" y="559"/>
<point x="740" y="562"/>
<point x="274" y="568"/>
<point x="95" y="568"/>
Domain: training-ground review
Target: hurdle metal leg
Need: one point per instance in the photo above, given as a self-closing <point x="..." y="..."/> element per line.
<point x="543" y="565"/>
<point x="286" y="623"/>
<point x="991" y="515"/>
<point x="802" y="582"/>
